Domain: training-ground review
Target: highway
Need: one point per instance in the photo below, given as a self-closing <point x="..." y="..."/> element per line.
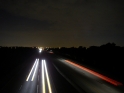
<point x="36" y="75"/>
<point x="84" y="79"/>
<point x="49" y="73"/>
<point x="38" y="80"/>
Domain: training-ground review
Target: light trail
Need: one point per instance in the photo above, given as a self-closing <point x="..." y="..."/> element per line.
<point x="48" y="81"/>
<point x="35" y="70"/>
<point x="43" y="79"/>
<point x="96" y="74"/>
<point x="31" y="70"/>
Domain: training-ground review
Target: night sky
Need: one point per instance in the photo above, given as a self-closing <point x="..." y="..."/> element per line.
<point x="56" y="23"/>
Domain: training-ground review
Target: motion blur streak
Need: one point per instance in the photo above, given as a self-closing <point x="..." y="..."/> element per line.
<point x="31" y="70"/>
<point x="48" y="81"/>
<point x="96" y="74"/>
<point x="43" y="80"/>
<point x="35" y="70"/>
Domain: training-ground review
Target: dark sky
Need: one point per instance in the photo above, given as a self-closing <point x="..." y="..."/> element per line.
<point x="57" y="23"/>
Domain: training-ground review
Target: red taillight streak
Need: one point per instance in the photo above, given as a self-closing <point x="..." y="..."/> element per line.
<point x="96" y="74"/>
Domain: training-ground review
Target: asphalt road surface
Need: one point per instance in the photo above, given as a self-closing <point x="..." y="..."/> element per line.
<point x="49" y="73"/>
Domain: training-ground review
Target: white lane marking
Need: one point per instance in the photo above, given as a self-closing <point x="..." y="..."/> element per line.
<point x="35" y="70"/>
<point x="48" y="81"/>
<point x="38" y="77"/>
<point x="37" y="88"/>
<point x="20" y="87"/>
<point x="31" y="70"/>
<point x="43" y="80"/>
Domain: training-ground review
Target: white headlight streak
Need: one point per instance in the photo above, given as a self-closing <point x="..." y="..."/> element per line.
<point x="46" y="86"/>
<point x="31" y="70"/>
<point x="43" y="79"/>
<point x="35" y="70"/>
<point x="45" y="72"/>
<point x="48" y="81"/>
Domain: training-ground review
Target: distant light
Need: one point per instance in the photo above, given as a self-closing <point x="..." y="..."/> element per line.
<point x="51" y="52"/>
<point x="40" y="49"/>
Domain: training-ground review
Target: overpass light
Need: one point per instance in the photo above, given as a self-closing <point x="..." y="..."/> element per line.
<point x="31" y="70"/>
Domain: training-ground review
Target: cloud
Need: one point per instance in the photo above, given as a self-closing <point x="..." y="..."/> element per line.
<point x="11" y="22"/>
<point x="75" y="20"/>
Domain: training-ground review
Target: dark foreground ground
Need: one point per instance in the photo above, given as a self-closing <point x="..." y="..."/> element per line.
<point x="15" y="65"/>
<point x="65" y="78"/>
